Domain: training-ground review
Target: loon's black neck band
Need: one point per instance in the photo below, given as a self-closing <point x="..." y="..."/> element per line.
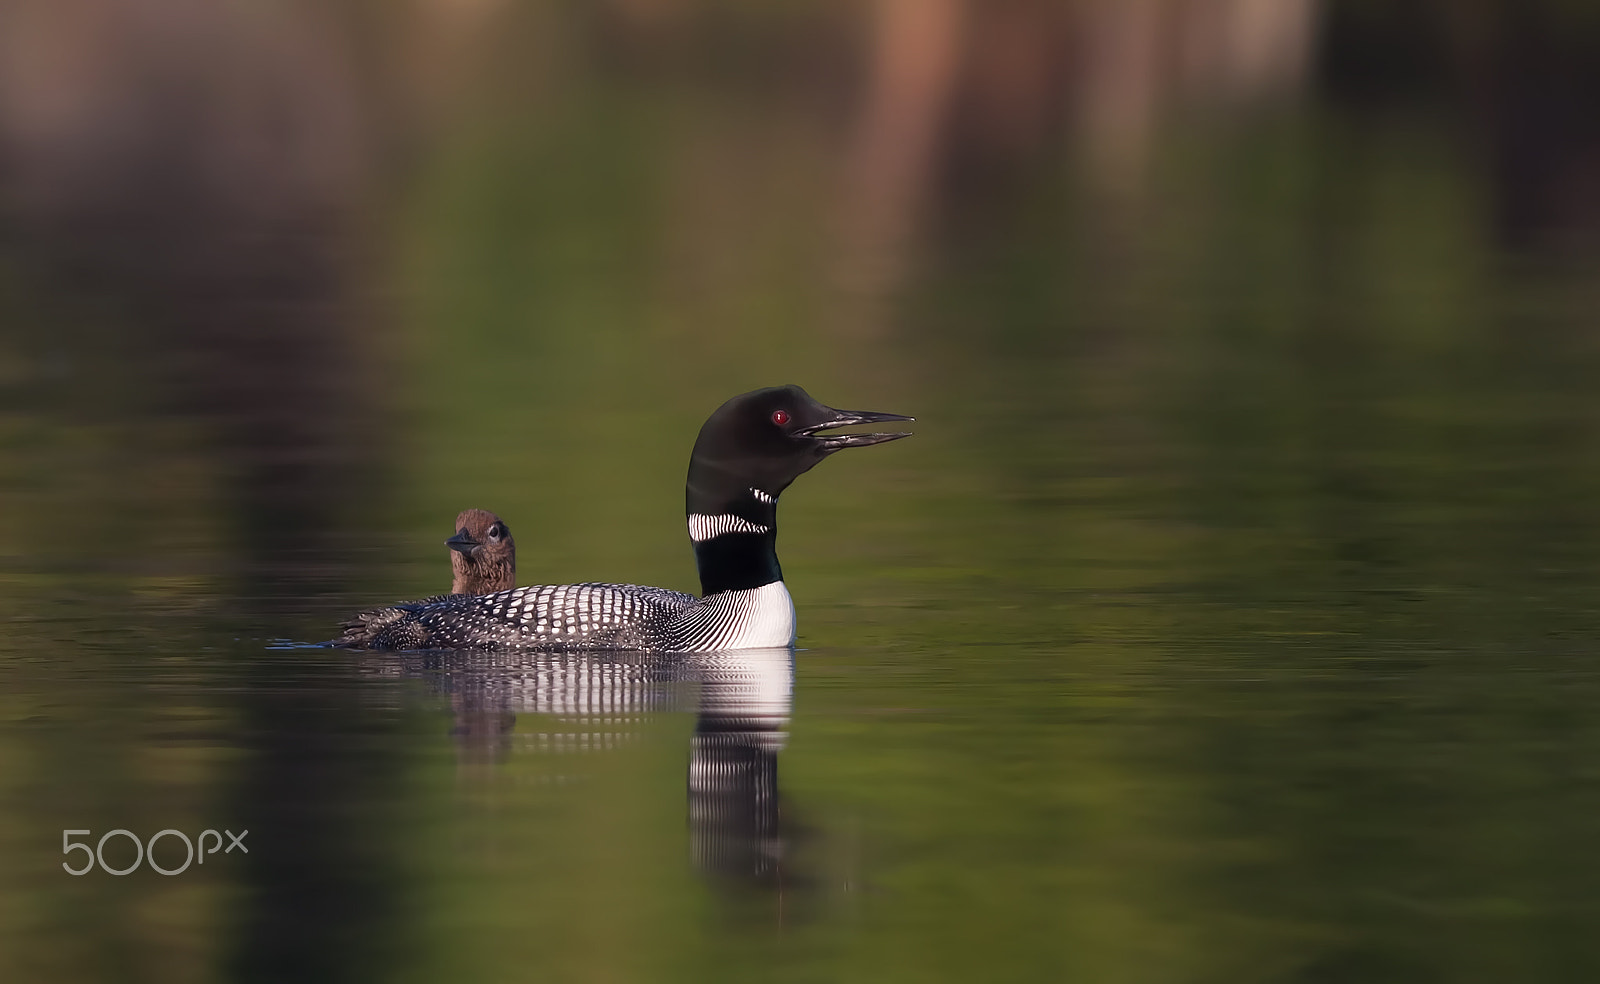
<point x="737" y="561"/>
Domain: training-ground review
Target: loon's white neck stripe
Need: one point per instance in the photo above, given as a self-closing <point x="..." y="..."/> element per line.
<point x="762" y="496"/>
<point x="703" y="527"/>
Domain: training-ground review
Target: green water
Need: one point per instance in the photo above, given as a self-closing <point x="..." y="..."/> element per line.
<point x="1285" y="674"/>
<point x="1231" y="616"/>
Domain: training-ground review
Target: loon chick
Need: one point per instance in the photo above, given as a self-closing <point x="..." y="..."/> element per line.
<point x="483" y="555"/>
<point x="747" y="453"/>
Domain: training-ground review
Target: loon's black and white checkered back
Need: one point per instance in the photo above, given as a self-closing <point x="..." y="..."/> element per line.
<point x="547" y="616"/>
<point x="582" y="617"/>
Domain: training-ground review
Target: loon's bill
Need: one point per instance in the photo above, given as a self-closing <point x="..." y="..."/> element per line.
<point x="748" y="452"/>
<point x="852" y="418"/>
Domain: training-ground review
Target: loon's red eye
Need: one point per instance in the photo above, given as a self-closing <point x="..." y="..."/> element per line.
<point x="780" y="417"/>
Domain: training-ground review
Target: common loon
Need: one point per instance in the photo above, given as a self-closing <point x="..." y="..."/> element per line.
<point x="747" y="453"/>
<point x="483" y="556"/>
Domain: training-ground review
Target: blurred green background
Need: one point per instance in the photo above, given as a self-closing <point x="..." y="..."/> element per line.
<point x="1231" y="615"/>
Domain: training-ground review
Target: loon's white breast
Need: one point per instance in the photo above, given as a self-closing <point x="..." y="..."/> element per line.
<point x="768" y="618"/>
<point x="747" y="618"/>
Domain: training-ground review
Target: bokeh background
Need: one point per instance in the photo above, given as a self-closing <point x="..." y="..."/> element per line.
<point x="1230" y="617"/>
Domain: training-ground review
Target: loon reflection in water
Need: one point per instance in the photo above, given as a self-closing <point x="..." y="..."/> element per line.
<point x="741" y="700"/>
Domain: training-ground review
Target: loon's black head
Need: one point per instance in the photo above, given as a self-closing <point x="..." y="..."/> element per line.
<point x="765" y="439"/>
<point x="483" y="556"/>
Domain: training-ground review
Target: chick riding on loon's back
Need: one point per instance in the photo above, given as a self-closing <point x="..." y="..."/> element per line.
<point x="747" y="453"/>
<point x="483" y="556"/>
<point x="483" y="560"/>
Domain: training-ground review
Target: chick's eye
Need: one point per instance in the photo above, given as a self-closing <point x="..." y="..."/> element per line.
<point x="494" y="532"/>
<point x="780" y="417"/>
